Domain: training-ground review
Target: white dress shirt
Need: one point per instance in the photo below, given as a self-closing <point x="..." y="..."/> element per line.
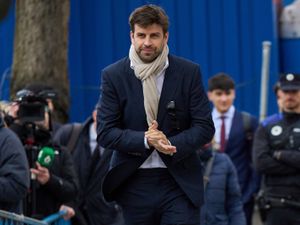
<point x="93" y="139"/>
<point x="216" y="116"/>
<point x="154" y="160"/>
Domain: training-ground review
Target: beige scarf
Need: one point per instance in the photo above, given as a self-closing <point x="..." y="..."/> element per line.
<point x="146" y="72"/>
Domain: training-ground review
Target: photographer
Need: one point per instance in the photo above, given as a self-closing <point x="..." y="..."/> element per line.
<point x="53" y="178"/>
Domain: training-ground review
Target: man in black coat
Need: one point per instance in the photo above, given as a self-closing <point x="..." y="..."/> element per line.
<point x="91" y="162"/>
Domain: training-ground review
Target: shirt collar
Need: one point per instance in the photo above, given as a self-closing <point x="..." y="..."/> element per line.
<point x="228" y="114"/>
<point x="93" y="133"/>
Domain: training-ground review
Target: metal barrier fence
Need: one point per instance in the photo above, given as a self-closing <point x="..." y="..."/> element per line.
<point x="8" y="218"/>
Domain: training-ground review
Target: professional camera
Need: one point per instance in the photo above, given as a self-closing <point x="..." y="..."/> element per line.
<point x="32" y="106"/>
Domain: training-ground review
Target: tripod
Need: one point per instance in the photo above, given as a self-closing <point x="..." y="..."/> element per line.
<point x="32" y="150"/>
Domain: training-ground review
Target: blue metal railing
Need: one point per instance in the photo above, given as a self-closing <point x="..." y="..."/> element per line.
<point x="8" y="218"/>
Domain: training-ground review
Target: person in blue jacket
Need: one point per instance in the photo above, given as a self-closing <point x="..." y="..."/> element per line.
<point x="14" y="171"/>
<point x="222" y="195"/>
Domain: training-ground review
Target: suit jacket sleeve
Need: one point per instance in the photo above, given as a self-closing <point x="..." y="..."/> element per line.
<point x="263" y="156"/>
<point x="201" y="128"/>
<point x="110" y="129"/>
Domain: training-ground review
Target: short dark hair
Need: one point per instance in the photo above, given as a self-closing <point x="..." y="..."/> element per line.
<point x="147" y="15"/>
<point x="221" y="81"/>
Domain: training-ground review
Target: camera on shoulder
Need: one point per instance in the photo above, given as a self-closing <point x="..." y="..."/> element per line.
<point x="33" y="106"/>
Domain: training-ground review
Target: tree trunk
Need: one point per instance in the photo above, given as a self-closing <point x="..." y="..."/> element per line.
<point x="40" y="49"/>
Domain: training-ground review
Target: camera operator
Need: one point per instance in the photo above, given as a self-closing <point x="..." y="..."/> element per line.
<point x="53" y="178"/>
<point x="277" y="156"/>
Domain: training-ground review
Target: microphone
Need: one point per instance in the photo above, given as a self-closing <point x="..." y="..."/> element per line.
<point x="46" y="156"/>
<point x="171" y="105"/>
<point x="171" y="111"/>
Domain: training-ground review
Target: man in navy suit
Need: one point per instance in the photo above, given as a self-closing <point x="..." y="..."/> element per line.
<point x="236" y="138"/>
<point x="154" y="114"/>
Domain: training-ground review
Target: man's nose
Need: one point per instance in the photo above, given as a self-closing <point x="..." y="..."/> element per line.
<point x="223" y="97"/>
<point x="147" y="42"/>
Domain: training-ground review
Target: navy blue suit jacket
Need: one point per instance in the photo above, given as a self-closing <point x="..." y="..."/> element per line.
<point x="239" y="149"/>
<point x="122" y="124"/>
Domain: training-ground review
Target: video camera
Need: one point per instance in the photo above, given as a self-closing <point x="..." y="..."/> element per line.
<point x="32" y="106"/>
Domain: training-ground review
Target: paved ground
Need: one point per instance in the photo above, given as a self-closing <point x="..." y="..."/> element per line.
<point x="256" y="218"/>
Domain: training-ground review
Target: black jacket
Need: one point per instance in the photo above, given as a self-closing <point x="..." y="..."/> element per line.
<point x="62" y="186"/>
<point x="14" y="171"/>
<point x="91" y="208"/>
<point x="184" y="116"/>
<point x="277" y="156"/>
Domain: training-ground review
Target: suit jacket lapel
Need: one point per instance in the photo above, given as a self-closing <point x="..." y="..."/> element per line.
<point x="234" y="128"/>
<point x="137" y="87"/>
<point x="170" y="84"/>
<point x="168" y="90"/>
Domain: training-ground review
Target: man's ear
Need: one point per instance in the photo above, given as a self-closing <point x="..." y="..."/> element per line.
<point x="131" y="37"/>
<point x="166" y="37"/>
<point x="209" y="95"/>
<point x="233" y="92"/>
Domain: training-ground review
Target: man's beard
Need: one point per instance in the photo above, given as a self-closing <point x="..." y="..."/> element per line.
<point x="152" y="57"/>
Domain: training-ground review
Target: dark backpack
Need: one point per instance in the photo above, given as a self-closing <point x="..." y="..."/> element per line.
<point x="246" y="117"/>
<point x="75" y="131"/>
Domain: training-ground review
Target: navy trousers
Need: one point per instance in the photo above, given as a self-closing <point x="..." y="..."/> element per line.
<point x="152" y="197"/>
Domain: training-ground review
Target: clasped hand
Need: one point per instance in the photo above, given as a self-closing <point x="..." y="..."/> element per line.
<point x="158" y="140"/>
